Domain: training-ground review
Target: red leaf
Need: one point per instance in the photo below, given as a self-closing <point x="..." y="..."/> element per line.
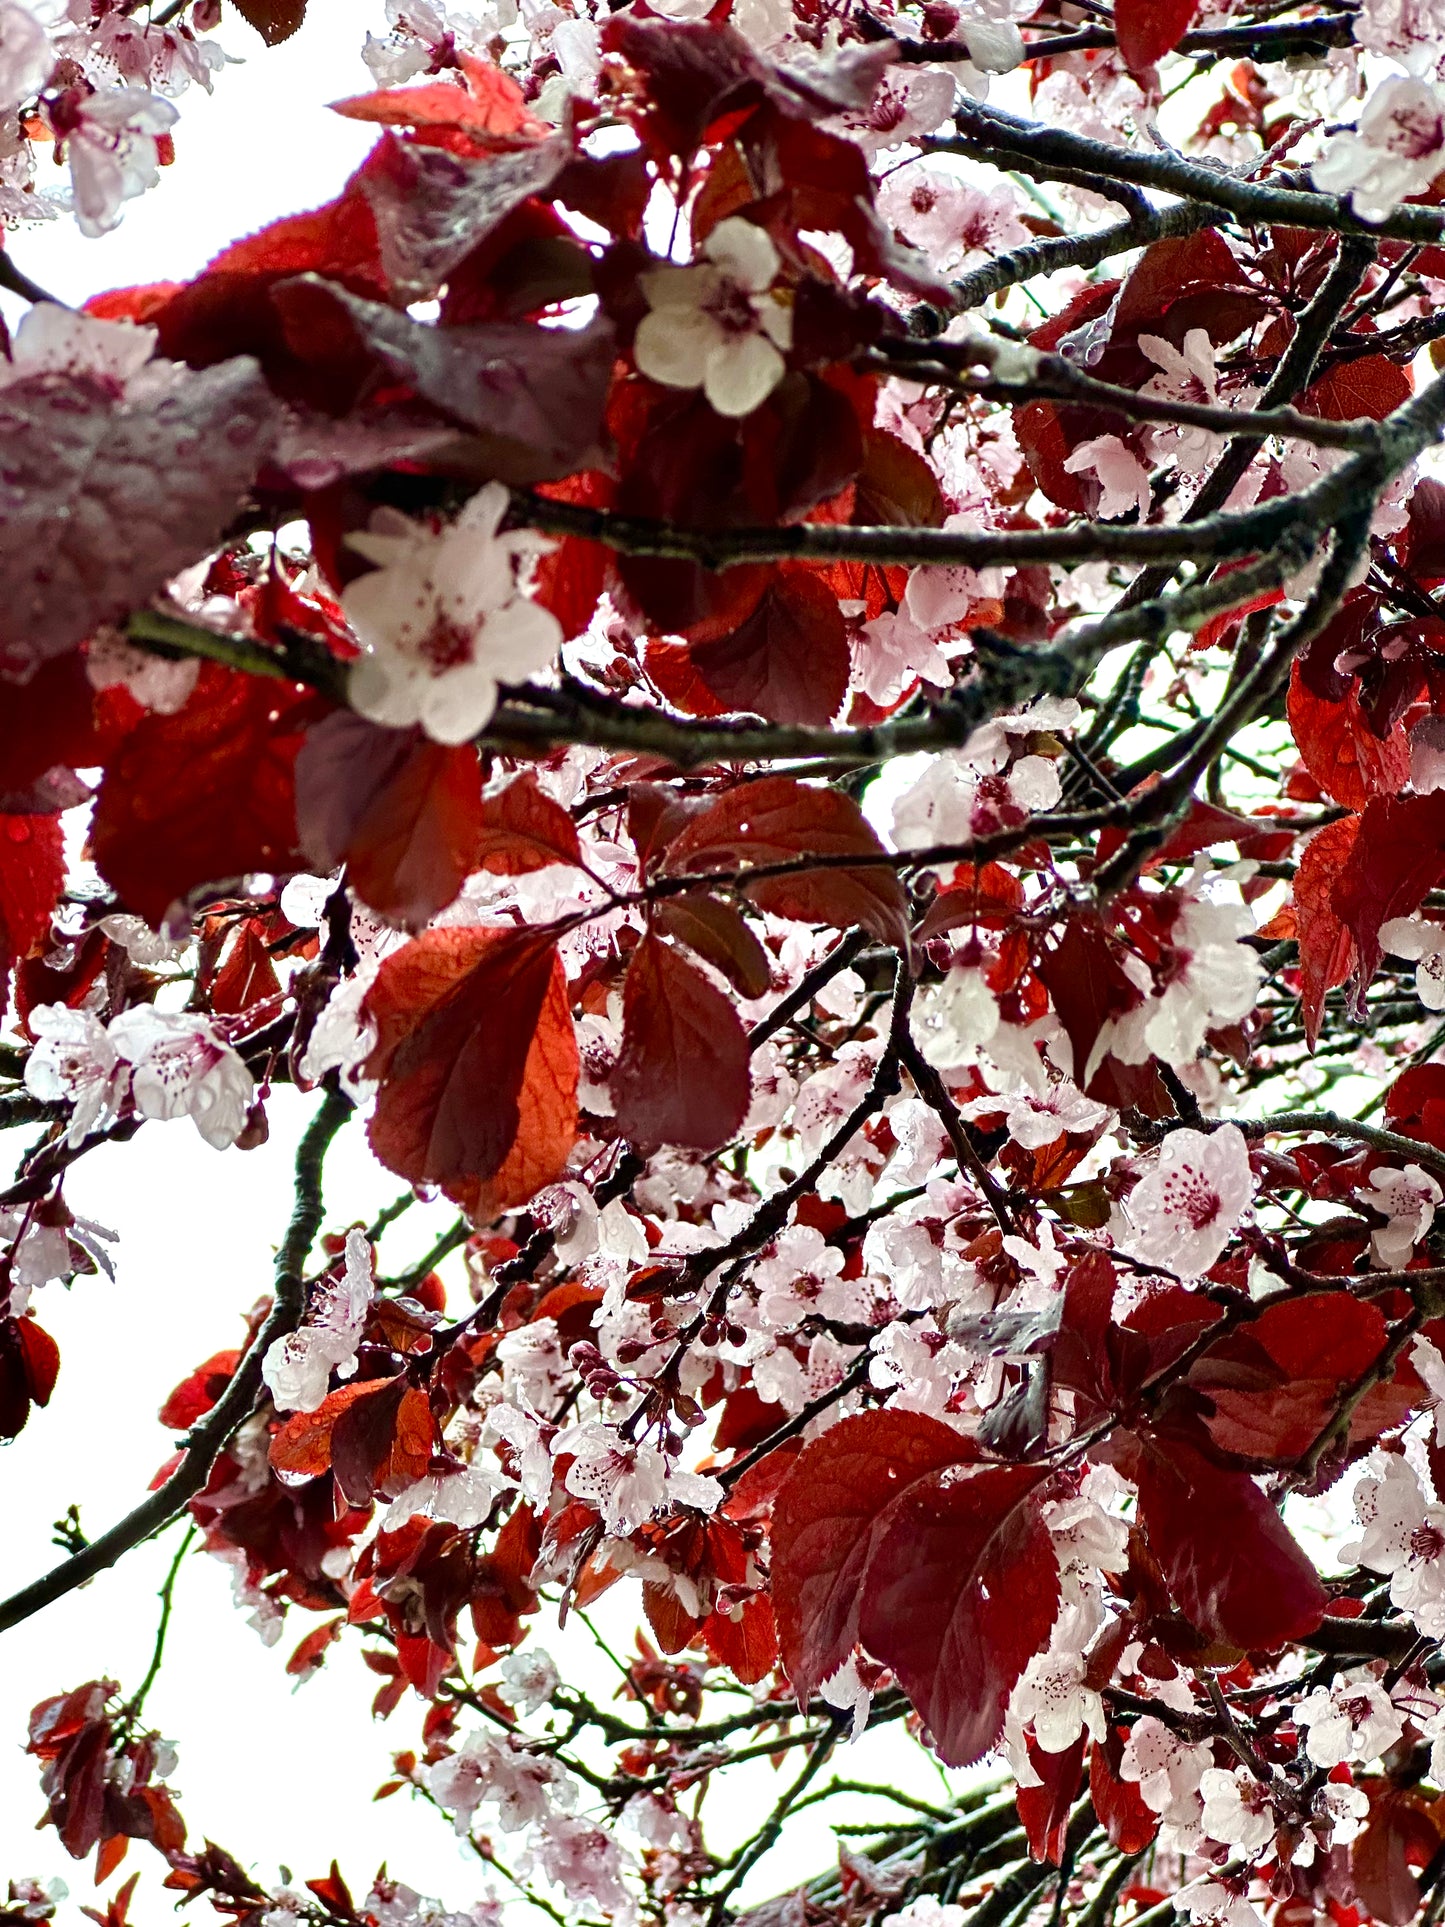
<point x="533" y="395"/>
<point x="1399" y="1835"/>
<point x="29" y="1366"/>
<point x="491" y="105"/>
<point x="382" y="1443"/>
<point x="274" y="20"/>
<point x="103" y="500"/>
<point x="1340" y="750"/>
<point x="1276" y="1383"/>
<point x="199" y="1392"/>
<point x="32" y="876"/>
<point x="747" y="1645"/>
<point x="825" y="1520"/>
<point x="1227" y="1557"/>
<point x="301" y="1449"/>
<point x="401" y="812"/>
<point x="682" y="1074"/>
<point x="523" y="829"/>
<point x="477" y="1061"/>
<point x="1326" y="948"/>
<point x="788" y="661"/>
<point x="49" y="720"/>
<point x="204" y="796"/>
<point x="961" y="1591"/>
<point x="1130" y="1825"/>
<point x="572" y="575"/>
<point x="1397" y="856"/>
<point x="1368" y="388"/>
<point x="779" y="819"/>
<point x="1149" y="29"/>
<point x="1044" y="1809"/>
<point x="717" y="932"/>
<point x="247" y="976"/>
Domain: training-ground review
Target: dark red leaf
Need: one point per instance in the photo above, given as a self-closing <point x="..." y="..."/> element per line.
<point x="1129" y="1823"/>
<point x="777" y="820"/>
<point x="1340" y="750"/>
<point x="1044" y="1809"/>
<point x="961" y="1591"/>
<point x="788" y="661"/>
<point x="199" y="1392"/>
<point x="1149" y="29"/>
<point x="533" y="395"/>
<point x="401" y="812"/>
<point x="522" y="829"/>
<point x="1276" y="1383"/>
<point x="103" y="500"/>
<point x="1397" y="856"/>
<point x="204" y="796"/>
<point x="1326" y="948"/>
<point x="1227" y="1556"/>
<point x="682" y="1074"/>
<point x="1400" y="1835"/>
<point x="825" y="1520"/>
<point x="32" y="876"/>
<point x="274" y="20"/>
<point x="1368" y="388"/>
<point x="717" y="932"/>
<point x="477" y="1061"/>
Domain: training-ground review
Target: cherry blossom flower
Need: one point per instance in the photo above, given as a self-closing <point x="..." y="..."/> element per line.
<point x="111" y="142"/>
<point x="892" y="653"/>
<point x="1404" y="1536"/>
<point x="444" y="618"/>
<point x="1183" y="1212"/>
<point x="75" y="1062"/>
<point x="1187" y="374"/>
<point x="1409" y="31"/>
<point x="1166" y="1769"/>
<point x="1428" y="1362"/>
<point x="1237" y="1809"/>
<point x="1407" y="1199"/>
<point x="1213" y="981"/>
<point x="1341" y="1811"/>
<point x="464" y="1498"/>
<point x="1034" y="1119"/>
<point x="1351" y="1719"/>
<point x="1210" y="1903"/>
<point x="180" y="1068"/>
<point x="1397" y="150"/>
<point x="803" y="1276"/>
<point x="938" y="597"/>
<point x="586" y="1863"/>
<point x="953" y="1020"/>
<point x="1053" y="1696"/>
<point x="529" y="1679"/>
<point x="846" y="1692"/>
<point x="1122" y="478"/>
<point x="627" y="1483"/>
<point x="715" y="325"/>
<point x="26" y="58"/>
<point x="297" y="1368"/>
<point x="957" y="222"/>
<point x="1422" y="943"/>
<point x="490" y="1768"/>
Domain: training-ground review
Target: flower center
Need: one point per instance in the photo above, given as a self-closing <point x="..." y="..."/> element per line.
<point x="446" y="645"/>
<point x="1189" y="1195"/>
<point x="732" y="309"/>
<point x="1427" y="1542"/>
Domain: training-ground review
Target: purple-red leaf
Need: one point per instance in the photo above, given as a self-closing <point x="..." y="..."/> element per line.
<point x="103" y="498"/>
